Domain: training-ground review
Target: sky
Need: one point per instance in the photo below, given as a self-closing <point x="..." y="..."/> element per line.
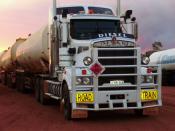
<point x="156" y="20"/>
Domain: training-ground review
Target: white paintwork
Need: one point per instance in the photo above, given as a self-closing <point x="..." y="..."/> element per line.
<point x="166" y="58"/>
<point x="67" y="76"/>
<point x="80" y="57"/>
<point x="64" y="30"/>
<point x="94" y="16"/>
<point x="64" y="57"/>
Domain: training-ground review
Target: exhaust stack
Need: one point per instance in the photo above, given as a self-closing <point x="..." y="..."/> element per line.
<point x="53" y="53"/>
<point x="118" y="8"/>
<point x="54" y="8"/>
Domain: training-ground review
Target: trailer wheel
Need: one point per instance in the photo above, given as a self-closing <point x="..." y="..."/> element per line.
<point x="9" y="82"/>
<point x="67" y="104"/>
<point x="138" y="112"/>
<point x="20" y="83"/>
<point x="3" y="78"/>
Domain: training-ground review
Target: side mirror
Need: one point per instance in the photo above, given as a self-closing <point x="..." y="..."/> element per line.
<point x="128" y="14"/>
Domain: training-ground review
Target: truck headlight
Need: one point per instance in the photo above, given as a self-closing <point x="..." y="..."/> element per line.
<point x="147" y="79"/>
<point x="145" y="60"/>
<point x="84" y="81"/>
<point x="78" y="81"/>
<point x="87" y="61"/>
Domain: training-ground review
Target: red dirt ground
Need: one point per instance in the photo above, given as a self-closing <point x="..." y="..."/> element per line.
<point x="20" y="112"/>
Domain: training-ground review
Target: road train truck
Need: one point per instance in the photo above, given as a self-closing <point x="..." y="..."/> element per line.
<point x="87" y="59"/>
<point x="167" y="60"/>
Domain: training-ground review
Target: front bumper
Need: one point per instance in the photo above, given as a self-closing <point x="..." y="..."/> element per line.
<point x="103" y="101"/>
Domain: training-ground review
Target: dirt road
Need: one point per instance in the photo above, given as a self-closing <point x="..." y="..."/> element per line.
<point x="20" y="112"/>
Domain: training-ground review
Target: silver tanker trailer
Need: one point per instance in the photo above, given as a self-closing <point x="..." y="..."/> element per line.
<point x="167" y="60"/>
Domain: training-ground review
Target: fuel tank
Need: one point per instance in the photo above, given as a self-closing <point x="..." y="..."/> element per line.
<point x="6" y="61"/>
<point x="1" y="56"/>
<point x="8" y="57"/>
<point x="166" y="58"/>
<point x="33" y="54"/>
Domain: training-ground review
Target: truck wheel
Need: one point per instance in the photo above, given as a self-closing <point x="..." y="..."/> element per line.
<point x="67" y="104"/>
<point x="43" y="98"/>
<point x="37" y="91"/>
<point x="9" y="81"/>
<point x="22" y="88"/>
<point x="139" y="112"/>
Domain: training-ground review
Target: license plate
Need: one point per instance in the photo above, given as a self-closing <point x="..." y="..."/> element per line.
<point x="117" y="82"/>
<point x="85" y="97"/>
<point x="147" y="95"/>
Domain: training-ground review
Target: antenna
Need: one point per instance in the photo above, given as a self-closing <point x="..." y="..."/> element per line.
<point x="118" y="8"/>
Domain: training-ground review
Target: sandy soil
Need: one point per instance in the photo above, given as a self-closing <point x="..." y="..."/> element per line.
<point x="20" y="112"/>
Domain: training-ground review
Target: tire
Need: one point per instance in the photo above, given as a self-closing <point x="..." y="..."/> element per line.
<point x="9" y="85"/>
<point x="22" y="87"/>
<point x="17" y="83"/>
<point x="20" y="83"/>
<point x="37" y="90"/>
<point x="138" y="112"/>
<point x="67" y="104"/>
<point x="5" y="78"/>
<point x="42" y="97"/>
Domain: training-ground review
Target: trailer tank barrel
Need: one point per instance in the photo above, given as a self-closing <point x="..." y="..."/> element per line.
<point x="33" y="54"/>
<point x="166" y="58"/>
<point x="14" y="48"/>
<point x="6" y="61"/>
<point x="1" y="55"/>
<point x="8" y="57"/>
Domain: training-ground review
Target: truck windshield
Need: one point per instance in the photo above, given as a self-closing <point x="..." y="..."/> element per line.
<point x="91" y="29"/>
<point x="71" y="10"/>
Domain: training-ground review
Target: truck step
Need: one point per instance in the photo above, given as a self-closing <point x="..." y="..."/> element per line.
<point x="52" y="96"/>
<point x="53" y="89"/>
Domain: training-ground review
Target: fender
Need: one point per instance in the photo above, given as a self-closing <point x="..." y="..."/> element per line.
<point x="67" y="77"/>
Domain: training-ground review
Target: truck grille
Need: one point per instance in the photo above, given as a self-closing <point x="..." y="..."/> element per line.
<point x="120" y="64"/>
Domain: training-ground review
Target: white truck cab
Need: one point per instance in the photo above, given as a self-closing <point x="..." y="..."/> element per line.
<point x="101" y="62"/>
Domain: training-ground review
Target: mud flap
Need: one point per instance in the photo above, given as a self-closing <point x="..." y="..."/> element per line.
<point x="76" y="114"/>
<point x="151" y="111"/>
